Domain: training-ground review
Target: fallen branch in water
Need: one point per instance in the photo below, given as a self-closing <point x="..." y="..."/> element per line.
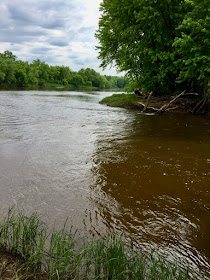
<point x="148" y="108"/>
<point x="166" y="106"/>
<point x="172" y="108"/>
<point x="142" y="104"/>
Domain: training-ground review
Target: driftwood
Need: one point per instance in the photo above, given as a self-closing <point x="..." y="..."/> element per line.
<point x="153" y="108"/>
<point x="148" y="108"/>
<point x="172" y="108"/>
<point x="165" y="107"/>
<point x="142" y="104"/>
<point x="148" y="101"/>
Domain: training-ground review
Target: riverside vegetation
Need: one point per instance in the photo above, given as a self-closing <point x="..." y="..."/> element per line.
<point x="158" y="104"/>
<point x="29" y="251"/>
<point x="18" y="73"/>
<point x="163" y="46"/>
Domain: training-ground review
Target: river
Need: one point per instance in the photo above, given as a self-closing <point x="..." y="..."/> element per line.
<point x="106" y="169"/>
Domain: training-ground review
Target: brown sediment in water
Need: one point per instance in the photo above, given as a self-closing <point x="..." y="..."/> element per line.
<point x="149" y="175"/>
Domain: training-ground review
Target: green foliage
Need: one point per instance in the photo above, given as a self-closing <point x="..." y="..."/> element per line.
<point x="21" y="76"/>
<point x="2" y="69"/>
<point x="7" y="67"/>
<point x="132" y="86"/>
<point x="76" y="80"/>
<point x="193" y="47"/>
<point x="38" y="73"/>
<point x="7" y="55"/>
<point x="147" y="39"/>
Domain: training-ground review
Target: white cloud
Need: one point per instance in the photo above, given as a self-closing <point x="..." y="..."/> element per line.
<point x="59" y="32"/>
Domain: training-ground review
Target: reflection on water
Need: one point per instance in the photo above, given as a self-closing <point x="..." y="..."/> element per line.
<point x="108" y="169"/>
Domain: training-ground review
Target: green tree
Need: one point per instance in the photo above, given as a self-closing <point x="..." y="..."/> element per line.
<point x="42" y="69"/>
<point x="38" y="73"/>
<point x="77" y="80"/>
<point x="33" y="76"/>
<point x="2" y="69"/>
<point x="8" y="67"/>
<point x="43" y="73"/>
<point x="138" y="36"/>
<point x="82" y="73"/>
<point x="21" y="75"/>
<point x="193" y="48"/>
<point x="54" y="74"/>
<point x="65" y="75"/>
<point x="8" y="56"/>
<point x="9" y="71"/>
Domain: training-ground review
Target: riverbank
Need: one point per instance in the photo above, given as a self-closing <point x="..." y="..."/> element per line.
<point x="184" y="104"/>
<point x="29" y="251"/>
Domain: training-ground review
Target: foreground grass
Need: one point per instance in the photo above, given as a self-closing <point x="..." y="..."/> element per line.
<point x="38" y="254"/>
<point x="124" y="100"/>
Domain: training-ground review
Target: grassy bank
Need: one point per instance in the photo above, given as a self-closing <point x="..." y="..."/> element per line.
<point x="29" y="251"/>
<point x="122" y="100"/>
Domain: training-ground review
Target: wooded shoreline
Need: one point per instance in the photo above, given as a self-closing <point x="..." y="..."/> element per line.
<point x="22" y="74"/>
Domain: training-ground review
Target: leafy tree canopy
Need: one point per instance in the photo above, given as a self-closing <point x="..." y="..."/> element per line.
<point x="159" y="43"/>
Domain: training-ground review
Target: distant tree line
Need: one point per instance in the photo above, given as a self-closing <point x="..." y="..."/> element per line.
<point x="38" y="73"/>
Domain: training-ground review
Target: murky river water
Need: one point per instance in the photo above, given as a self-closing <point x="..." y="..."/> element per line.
<point x="65" y="155"/>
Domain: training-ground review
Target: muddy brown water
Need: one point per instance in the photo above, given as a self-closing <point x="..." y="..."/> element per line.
<point x="63" y="154"/>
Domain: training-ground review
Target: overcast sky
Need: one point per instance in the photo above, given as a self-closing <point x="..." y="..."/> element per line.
<point x="59" y="32"/>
